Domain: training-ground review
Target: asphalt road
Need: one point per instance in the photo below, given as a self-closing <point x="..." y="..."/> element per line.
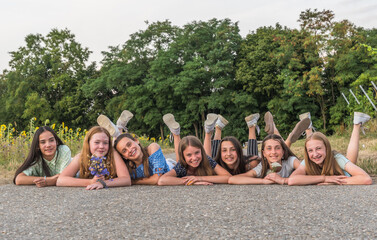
<point x="189" y="212"/>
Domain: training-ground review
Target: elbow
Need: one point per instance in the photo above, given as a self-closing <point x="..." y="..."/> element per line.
<point x="17" y="180"/>
<point x="368" y="181"/>
<point x="59" y="182"/>
<point x="231" y="180"/>
<point x="291" y="182"/>
<point x="161" y="181"/>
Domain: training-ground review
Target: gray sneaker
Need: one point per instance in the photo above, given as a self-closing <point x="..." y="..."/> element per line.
<point x="107" y="124"/>
<point x="252" y="119"/>
<point x="209" y="124"/>
<point x="123" y="119"/>
<point x="173" y="126"/>
<point x="221" y="121"/>
<point x="360" y="118"/>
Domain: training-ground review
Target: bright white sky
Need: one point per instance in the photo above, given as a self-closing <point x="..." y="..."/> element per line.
<point x="98" y="24"/>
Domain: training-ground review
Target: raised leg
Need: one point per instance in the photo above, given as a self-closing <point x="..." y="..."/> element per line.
<point x="207" y="143"/>
<point x="353" y="146"/>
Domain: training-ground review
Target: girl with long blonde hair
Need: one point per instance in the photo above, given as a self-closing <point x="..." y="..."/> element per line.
<point x="324" y="166"/>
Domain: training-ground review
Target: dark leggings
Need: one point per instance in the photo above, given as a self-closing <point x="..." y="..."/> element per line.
<point x="252" y="147"/>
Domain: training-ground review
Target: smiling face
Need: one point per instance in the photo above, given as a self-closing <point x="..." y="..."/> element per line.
<point x="99" y="144"/>
<point x="193" y="156"/>
<point x="47" y="145"/>
<point x="273" y="151"/>
<point x="316" y="150"/>
<point x="129" y="149"/>
<point x="229" y="154"/>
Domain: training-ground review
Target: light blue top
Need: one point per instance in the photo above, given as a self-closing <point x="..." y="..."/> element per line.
<point x="341" y="160"/>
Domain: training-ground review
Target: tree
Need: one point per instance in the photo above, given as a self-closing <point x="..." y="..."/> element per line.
<point x="45" y="79"/>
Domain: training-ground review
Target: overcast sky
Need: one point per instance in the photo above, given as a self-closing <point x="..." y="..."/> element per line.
<point x="98" y="24"/>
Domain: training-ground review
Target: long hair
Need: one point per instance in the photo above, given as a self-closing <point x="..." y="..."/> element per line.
<point x="330" y="165"/>
<point x="130" y="164"/>
<point x="35" y="154"/>
<point x="286" y="155"/>
<point x="241" y="159"/>
<point x="86" y="154"/>
<point x="204" y="168"/>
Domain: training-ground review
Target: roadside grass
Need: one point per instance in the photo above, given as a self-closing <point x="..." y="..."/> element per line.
<point x="15" y="146"/>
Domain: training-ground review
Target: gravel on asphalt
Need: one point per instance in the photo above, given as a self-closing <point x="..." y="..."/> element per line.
<point x="189" y="212"/>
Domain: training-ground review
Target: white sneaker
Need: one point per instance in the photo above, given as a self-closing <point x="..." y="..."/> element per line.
<point x="221" y="121"/>
<point x="107" y="124"/>
<point x="252" y="120"/>
<point x="173" y="126"/>
<point x="209" y="124"/>
<point x="360" y="118"/>
<point x="123" y="119"/>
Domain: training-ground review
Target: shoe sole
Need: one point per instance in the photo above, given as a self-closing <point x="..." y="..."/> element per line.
<point x="269" y="120"/>
<point x="126" y="116"/>
<point x="251" y="117"/>
<point x="211" y="119"/>
<point x="170" y="121"/>
<point x="106" y="123"/>
<point x="300" y="127"/>
<point x="223" y="120"/>
<point x="362" y="116"/>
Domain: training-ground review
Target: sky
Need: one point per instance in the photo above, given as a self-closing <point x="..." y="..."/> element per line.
<point x="98" y="24"/>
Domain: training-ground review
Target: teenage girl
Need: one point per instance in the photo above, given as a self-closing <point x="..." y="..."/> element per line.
<point x="97" y="143"/>
<point x="48" y="156"/>
<point x="228" y="151"/>
<point x="324" y="166"/>
<point x="274" y="151"/>
<point x="194" y="167"/>
<point x="145" y="164"/>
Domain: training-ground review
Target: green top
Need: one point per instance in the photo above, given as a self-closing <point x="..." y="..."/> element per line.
<point x="56" y="165"/>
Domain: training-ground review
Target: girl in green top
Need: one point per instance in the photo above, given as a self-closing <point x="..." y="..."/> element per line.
<point x="48" y="156"/>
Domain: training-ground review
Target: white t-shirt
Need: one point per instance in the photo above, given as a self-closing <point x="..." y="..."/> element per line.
<point x="286" y="167"/>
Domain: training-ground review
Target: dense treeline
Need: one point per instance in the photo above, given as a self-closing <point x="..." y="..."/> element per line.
<point x="195" y="69"/>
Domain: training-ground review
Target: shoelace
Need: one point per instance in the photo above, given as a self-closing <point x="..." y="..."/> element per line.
<point x="257" y="128"/>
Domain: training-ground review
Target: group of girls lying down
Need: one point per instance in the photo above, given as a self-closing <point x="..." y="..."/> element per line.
<point x="220" y="160"/>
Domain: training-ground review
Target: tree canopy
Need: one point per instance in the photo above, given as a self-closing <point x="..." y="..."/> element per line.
<point x="195" y="69"/>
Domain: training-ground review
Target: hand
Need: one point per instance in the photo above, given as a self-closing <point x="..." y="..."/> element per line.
<point x="203" y="183"/>
<point x="94" y="186"/>
<point x="267" y="181"/>
<point x="275" y="178"/>
<point x="190" y="180"/>
<point x="95" y="178"/>
<point x="335" y="179"/>
<point x="41" y="182"/>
